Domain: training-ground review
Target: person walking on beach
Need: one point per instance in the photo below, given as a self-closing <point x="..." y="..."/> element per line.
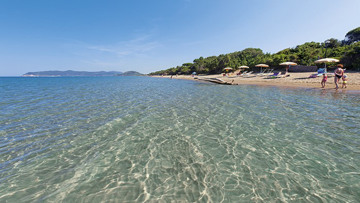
<point x="344" y="79"/>
<point x="323" y="81"/>
<point x="339" y="72"/>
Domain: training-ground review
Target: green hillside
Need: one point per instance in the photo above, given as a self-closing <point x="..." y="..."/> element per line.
<point x="347" y="51"/>
<point x="130" y="73"/>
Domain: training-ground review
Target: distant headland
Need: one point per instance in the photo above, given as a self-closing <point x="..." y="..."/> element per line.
<point x="71" y="73"/>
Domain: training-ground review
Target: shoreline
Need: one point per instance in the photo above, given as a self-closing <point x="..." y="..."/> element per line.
<point x="295" y="80"/>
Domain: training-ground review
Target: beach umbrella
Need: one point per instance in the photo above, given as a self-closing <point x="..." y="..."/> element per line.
<point x="288" y="64"/>
<point x="327" y="60"/>
<point x="241" y="67"/>
<point x="228" y="68"/>
<point x="194" y="73"/>
<point x="262" y="66"/>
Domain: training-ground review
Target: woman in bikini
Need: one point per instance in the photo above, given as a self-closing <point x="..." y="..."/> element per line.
<point x="339" y="72"/>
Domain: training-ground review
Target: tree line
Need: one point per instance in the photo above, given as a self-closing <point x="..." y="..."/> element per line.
<point x="347" y="51"/>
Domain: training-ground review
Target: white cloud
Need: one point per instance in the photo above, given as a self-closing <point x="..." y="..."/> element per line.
<point x="137" y="46"/>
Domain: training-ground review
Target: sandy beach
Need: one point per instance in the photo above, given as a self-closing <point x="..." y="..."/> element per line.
<point x="300" y="80"/>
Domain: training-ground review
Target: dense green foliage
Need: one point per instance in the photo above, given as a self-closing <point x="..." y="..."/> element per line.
<point x="305" y="54"/>
<point x="353" y="36"/>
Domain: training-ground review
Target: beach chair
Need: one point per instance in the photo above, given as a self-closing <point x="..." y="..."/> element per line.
<point x="265" y="72"/>
<point x="284" y="75"/>
<point x="270" y="72"/>
<point x="237" y="72"/>
<point x="247" y="74"/>
<point x="275" y="75"/>
<point x="262" y="73"/>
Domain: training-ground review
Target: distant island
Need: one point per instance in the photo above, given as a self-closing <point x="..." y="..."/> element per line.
<point x="130" y="73"/>
<point x="71" y="73"/>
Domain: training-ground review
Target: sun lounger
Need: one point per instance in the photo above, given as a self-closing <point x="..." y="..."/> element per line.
<point x="274" y="75"/>
<point x="284" y="75"/>
<point x="261" y="73"/>
<point x="270" y="72"/>
<point x="265" y="72"/>
<point x="245" y="72"/>
<point x="248" y="74"/>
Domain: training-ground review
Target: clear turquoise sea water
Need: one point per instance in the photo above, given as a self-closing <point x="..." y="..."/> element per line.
<point x="141" y="139"/>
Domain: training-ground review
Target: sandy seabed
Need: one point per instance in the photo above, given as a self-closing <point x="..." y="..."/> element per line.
<point x="300" y="80"/>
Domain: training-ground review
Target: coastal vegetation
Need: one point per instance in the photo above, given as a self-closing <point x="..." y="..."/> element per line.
<point x="347" y="51"/>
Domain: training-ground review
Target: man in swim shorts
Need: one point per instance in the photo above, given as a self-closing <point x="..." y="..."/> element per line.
<point x="339" y="72"/>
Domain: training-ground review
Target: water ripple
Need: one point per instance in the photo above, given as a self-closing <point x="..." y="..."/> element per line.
<point x="139" y="139"/>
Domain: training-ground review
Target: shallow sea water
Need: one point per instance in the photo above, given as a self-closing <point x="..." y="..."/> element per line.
<point x="141" y="139"/>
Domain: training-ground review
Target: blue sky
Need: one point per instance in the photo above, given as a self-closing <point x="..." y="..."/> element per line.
<point x="146" y="36"/>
